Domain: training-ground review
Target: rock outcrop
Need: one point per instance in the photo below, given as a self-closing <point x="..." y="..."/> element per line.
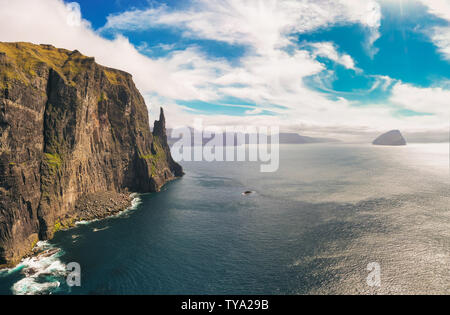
<point x="69" y="128"/>
<point x="393" y="137"/>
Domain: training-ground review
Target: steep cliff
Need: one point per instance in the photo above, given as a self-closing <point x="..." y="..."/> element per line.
<point x="68" y="128"/>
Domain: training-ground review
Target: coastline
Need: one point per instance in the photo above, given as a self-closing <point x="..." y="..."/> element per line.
<point x="109" y="205"/>
<point x="44" y="258"/>
<point x="101" y="205"/>
<point x="88" y="208"/>
<point x="94" y="206"/>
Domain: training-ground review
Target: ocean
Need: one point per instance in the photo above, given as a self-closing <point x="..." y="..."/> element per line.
<point x="312" y="227"/>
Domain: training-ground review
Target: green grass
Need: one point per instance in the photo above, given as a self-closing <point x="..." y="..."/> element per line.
<point x="54" y="161"/>
<point x="155" y="159"/>
<point x="102" y="98"/>
<point x="57" y="227"/>
<point x="33" y="245"/>
<point x="153" y="169"/>
<point x="114" y="77"/>
<point x="25" y="58"/>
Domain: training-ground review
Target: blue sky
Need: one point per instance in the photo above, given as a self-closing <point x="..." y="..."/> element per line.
<point x="403" y="51"/>
<point x="321" y="66"/>
<point x="402" y="44"/>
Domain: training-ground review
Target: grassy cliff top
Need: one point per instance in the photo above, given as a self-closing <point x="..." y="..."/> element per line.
<point x="28" y="58"/>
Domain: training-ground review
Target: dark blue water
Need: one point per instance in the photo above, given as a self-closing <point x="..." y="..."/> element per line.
<point x="311" y="227"/>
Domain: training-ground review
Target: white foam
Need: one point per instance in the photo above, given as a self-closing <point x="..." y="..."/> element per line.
<point x="28" y="286"/>
<point x="98" y="230"/>
<point x="43" y="245"/>
<point x="8" y="271"/>
<point x="50" y="268"/>
<point x="36" y="267"/>
<point x="134" y="205"/>
<point x="85" y="222"/>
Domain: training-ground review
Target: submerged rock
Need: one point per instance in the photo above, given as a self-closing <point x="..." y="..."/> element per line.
<point x="393" y="137"/>
<point x="48" y="253"/>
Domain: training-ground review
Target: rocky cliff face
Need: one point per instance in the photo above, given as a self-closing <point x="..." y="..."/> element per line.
<point x="393" y="137"/>
<point x="68" y="127"/>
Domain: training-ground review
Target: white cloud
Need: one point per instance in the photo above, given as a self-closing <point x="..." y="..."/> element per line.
<point x="328" y="50"/>
<point x="266" y="75"/>
<point x="263" y="25"/>
<point x="381" y="81"/>
<point x="182" y="74"/>
<point x="145" y="48"/>
<point x="440" y="35"/>
<point x="429" y="100"/>
<point x="441" y="38"/>
<point x="440" y="8"/>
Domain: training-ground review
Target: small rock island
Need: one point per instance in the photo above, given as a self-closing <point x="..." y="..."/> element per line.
<point x="393" y="138"/>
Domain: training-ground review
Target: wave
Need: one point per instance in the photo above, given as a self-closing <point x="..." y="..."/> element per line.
<point x="135" y="202"/>
<point x="43" y="272"/>
<point x="9" y="271"/>
<point x="41" y="245"/>
<point x="99" y="230"/>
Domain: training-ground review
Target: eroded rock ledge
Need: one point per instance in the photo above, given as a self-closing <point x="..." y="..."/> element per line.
<point x="100" y="205"/>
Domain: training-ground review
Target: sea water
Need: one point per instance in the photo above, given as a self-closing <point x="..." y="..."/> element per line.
<point x="312" y="227"/>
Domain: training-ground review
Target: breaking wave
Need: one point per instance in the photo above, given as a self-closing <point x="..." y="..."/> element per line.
<point x="43" y="273"/>
<point x="135" y="202"/>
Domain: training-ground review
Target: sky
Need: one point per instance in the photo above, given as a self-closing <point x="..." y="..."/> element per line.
<point x="337" y="68"/>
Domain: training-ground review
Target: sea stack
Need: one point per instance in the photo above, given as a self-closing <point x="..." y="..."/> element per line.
<point x="393" y="137"/>
<point x="71" y="131"/>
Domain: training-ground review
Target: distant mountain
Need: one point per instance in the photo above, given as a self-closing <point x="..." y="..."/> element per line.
<point x="295" y="138"/>
<point x="393" y="137"/>
<point x="285" y="138"/>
